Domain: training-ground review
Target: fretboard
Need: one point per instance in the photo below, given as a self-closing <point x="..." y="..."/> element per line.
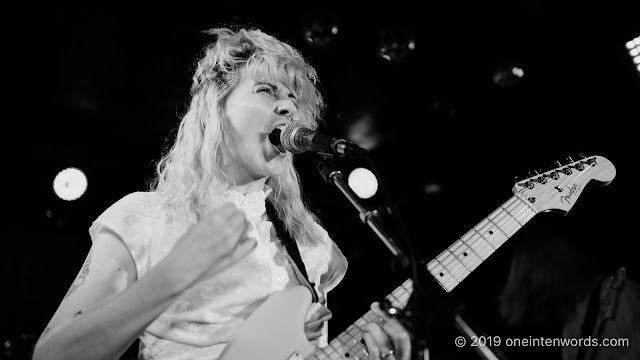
<point x="457" y="261"/>
<point x="452" y="266"/>
<point x="349" y="344"/>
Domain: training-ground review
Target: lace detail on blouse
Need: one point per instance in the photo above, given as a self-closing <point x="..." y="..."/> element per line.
<point x="205" y="318"/>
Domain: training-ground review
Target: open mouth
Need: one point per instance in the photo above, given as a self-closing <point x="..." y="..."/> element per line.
<point x="279" y="147"/>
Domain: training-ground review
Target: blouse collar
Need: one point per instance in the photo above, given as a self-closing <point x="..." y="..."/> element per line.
<point x="253" y="203"/>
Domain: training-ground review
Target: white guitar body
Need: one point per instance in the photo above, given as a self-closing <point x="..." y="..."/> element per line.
<point x="275" y="331"/>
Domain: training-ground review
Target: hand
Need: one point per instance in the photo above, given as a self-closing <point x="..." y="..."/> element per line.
<point x="313" y="327"/>
<point x="213" y="244"/>
<point x="391" y="342"/>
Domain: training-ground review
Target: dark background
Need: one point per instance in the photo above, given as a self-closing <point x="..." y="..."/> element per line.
<point x="101" y="89"/>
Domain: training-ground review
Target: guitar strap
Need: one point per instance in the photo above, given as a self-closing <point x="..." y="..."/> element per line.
<point x="292" y="248"/>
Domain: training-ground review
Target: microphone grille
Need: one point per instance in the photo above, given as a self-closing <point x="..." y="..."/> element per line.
<point x="287" y="136"/>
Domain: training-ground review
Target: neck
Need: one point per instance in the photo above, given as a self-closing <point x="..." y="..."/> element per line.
<point x="249" y="187"/>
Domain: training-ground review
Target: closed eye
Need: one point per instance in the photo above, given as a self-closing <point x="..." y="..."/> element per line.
<point x="266" y="89"/>
<point x="272" y="90"/>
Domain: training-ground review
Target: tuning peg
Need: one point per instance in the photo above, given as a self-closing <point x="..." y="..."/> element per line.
<point x="556" y="164"/>
<point x="569" y="159"/>
<point x="581" y="155"/>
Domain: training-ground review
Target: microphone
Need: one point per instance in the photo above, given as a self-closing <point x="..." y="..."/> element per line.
<point x="296" y="138"/>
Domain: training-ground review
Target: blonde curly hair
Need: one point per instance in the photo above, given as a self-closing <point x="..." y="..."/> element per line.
<point x="186" y="174"/>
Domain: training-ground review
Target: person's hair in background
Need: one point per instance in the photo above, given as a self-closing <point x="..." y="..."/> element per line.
<point x="550" y="271"/>
<point x="190" y="173"/>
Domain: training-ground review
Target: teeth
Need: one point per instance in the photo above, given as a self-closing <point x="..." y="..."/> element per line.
<point x="279" y="148"/>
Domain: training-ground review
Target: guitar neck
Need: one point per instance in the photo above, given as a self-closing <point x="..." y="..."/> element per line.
<point x="457" y="261"/>
<point x="449" y="268"/>
<point x="349" y="344"/>
<point x="556" y="189"/>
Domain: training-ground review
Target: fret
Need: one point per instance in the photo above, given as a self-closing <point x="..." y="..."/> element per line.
<point x="457" y="257"/>
<point x="498" y="227"/>
<point x="350" y="341"/>
<point x="398" y="302"/>
<point x="336" y="354"/>
<point x="401" y="295"/>
<point x="483" y="237"/>
<point x="477" y="242"/>
<point x="526" y="203"/>
<point x="441" y="274"/>
<point x="505" y="222"/>
<point x="334" y="347"/>
<point x="361" y="321"/>
<point x="444" y="266"/>
<point x="503" y="219"/>
<point x="349" y="344"/>
<point x="517" y="210"/>
<point x="461" y="240"/>
<point x="466" y="254"/>
<point x="454" y="265"/>
<point x="508" y="212"/>
<point x="342" y="350"/>
<point x="449" y="268"/>
<point x="353" y="331"/>
<point x="395" y="302"/>
<point x="457" y="262"/>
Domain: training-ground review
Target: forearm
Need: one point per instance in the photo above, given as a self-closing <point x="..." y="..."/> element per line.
<point x="108" y="330"/>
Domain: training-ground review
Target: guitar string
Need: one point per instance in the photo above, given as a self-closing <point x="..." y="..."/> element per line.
<point x="397" y="302"/>
<point x="442" y="258"/>
<point x="340" y="345"/>
<point x="498" y="222"/>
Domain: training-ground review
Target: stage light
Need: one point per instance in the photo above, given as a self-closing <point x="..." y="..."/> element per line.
<point x="363" y="182"/>
<point x="634" y="51"/>
<point x="70" y="184"/>
<point x="517" y="72"/>
<point x="396" y="44"/>
<point x="507" y="72"/>
<point x="508" y="76"/>
<point x="320" y="32"/>
<point x="432" y="189"/>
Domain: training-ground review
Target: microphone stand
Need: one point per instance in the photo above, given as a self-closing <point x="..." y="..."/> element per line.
<point x="426" y="305"/>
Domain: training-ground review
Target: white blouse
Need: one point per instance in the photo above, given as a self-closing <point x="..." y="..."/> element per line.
<point x="200" y="323"/>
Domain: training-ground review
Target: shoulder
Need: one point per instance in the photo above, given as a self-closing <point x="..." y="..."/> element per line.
<point x="138" y="200"/>
<point x="130" y="213"/>
<point x="136" y="203"/>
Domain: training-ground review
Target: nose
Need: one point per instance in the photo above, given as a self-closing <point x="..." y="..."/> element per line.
<point x="286" y="107"/>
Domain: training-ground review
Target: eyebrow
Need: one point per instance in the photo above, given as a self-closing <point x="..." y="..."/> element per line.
<point x="274" y="87"/>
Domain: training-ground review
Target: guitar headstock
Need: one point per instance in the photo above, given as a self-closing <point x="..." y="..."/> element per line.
<point x="559" y="188"/>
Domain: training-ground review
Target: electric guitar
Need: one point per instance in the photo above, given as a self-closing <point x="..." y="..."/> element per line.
<point x="275" y="331"/>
